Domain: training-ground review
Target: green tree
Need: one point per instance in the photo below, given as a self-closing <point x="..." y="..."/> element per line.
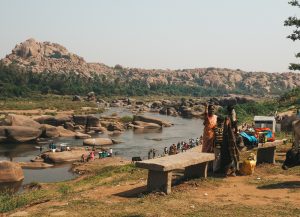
<point x="294" y="22"/>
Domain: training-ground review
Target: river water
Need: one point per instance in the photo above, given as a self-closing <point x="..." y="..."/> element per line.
<point x="134" y="143"/>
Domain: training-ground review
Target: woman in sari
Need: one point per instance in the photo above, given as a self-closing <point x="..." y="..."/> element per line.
<point x="210" y="122"/>
<point x="229" y="150"/>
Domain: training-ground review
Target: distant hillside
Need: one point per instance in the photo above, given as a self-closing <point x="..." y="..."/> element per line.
<point x="44" y="65"/>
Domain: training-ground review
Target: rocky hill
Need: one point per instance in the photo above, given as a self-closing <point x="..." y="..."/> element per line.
<point x="40" y="57"/>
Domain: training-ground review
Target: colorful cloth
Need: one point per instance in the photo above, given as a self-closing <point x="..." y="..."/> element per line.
<point x="210" y="123"/>
<point x="229" y="150"/>
<point x="218" y="137"/>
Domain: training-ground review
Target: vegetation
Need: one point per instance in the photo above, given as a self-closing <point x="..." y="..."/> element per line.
<point x="294" y="22"/>
<point x="246" y="112"/>
<point x="287" y="101"/>
<point x="48" y="103"/>
<point x="127" y="119"/>
<point x="10" y="202"/>
<point x="16" y="82"/>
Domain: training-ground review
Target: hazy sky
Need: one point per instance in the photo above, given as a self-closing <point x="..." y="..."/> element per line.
<point x="244" y="34"/>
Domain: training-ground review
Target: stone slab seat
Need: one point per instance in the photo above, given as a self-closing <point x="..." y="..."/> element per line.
<point x="160" y="169"/>
<point x="266" y="152"/>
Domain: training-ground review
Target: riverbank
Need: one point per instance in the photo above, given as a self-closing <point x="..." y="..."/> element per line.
<point x="113" y="189"/>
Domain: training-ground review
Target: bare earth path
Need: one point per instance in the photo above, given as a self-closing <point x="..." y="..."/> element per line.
<point x="269" y="192"/>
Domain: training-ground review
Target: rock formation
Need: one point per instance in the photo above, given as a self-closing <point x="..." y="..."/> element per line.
<point x="41" y="57"/>
<point x="10" y="172"/>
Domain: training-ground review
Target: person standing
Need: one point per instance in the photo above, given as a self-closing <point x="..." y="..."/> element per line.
<point x="210" y="123"/>
<point x="218" y="140"/>
<point x="229" y="150"/>
<point x="233" y="118"/>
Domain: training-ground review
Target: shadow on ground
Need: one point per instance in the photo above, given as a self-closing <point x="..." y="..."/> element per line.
<point x="282" y="185"/>
<point x="133" y="193"/>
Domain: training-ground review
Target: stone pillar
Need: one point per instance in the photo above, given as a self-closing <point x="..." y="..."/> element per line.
<point x="266" y="155"/>
<point x="159" y="180"/>
<point x="196" y="171"/>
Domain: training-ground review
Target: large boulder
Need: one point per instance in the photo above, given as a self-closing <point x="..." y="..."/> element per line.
<point x="145" y="125"/>
<point x="115" y="126"/>
<point x="76" y="98"/>
<point x="98" y="142"/>
<point x="64" y="132"/>
<point x="79" y="135"/>
<point x="49" y="131"/>
<point x="34" y="165"/>
<point x="20" y="120"/>
<point x="10" y="172"/>
<point x="98" y="129"/>
<point x="58" y="120"/>
<point x="65" y="156"/>
<point x="152" y="120"/>
<point x="86" y="120"/>
<point x="91" y="96"/>
<point x="168" y="111"/>
<point x="69" y="126"/>
<point x="156" y="104"/>
<point x="19" y="133"/>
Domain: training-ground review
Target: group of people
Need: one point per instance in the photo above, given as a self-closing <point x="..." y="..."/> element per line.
<point x="91" y="155"/>
<point x="53" y="147"/>
<point x="220" y="137"/>
<point x="175" y="149"/>
<point x="182" y="146"/>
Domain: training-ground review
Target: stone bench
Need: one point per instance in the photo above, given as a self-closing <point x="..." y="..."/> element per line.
<point x="266" y="152"/>
<point x="194" y="164"/>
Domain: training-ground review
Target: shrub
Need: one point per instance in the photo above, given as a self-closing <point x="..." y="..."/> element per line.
<point x="127" y="119"/>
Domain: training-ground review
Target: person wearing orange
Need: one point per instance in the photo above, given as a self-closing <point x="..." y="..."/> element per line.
<point x="210" y="122"/>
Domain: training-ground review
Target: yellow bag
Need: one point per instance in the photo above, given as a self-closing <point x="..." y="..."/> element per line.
<point x="248" y="165"/>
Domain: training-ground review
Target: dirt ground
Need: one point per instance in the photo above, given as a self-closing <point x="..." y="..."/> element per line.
<point x="270" y="191"/>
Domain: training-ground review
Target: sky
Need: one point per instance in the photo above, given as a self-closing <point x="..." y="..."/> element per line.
<point x="165" y="34"/>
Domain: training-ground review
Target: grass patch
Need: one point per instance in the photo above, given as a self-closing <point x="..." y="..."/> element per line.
<point x="52" y="102"/>
<point x="112" y="175"/>
<point x="65" y="189"/>
<point x="127" y="119"/>
<point x="10" y="202"/>
<point x="269" y="169"/>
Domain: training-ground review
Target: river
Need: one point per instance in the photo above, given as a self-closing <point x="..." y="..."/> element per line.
<point x="134" y="143"/>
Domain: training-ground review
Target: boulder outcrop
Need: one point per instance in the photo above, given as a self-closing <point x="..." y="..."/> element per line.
<point x="50" y="131"/>
<point x="58" y="120"/>
<point x="65" y="156"/>
<point x="79" y="135"/>
<point x="65" y="133"/>
<point x="10" y="172"/>
<point x="20" y="120"/>
<point x="34" y="165"/>
<point x="40" y="57"/>
<point x="19" y="133"/>
<point x="145" y="125"/>
<point x="86" y="120"/>
<point x="152" y="120"/>
<point x="98" y="142"/>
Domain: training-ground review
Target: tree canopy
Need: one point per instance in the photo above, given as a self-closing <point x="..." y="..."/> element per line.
<point x="293" y="21"/>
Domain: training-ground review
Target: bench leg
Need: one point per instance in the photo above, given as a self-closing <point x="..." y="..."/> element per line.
<point x="196" y="171"/>
<point x="159" y="181"/>
<point x="266" y="155"/>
